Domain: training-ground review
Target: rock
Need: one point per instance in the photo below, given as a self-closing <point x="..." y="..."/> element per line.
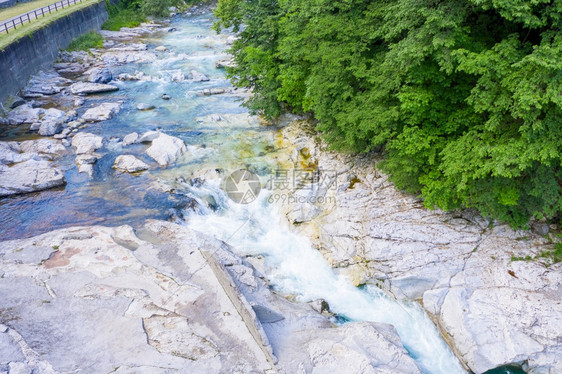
<point x="116" y="293"/>
<point x="177" y="76"/>
<point x="86" y="159"/>
<point x="494" y="310"/>
<point x="14" y="101"/>
<point x="128" y="54"/>
<point x="214" y="91"/>
<point x="170" y="29"/>
<point x="320" y="305"/>
<point x="161" y="49"/>
<point x="198" y="77"/>
<point x="45" y="83"/>
<point x="29" y="176"/>
<point x="131" y="138"/>
<point x="144" y="106"/>
<point x="102" y="112"/>
<point x="71" y="115"/>
<point x="166" y="97"/>
<point x="52" y="121"/>
<point x="83" y="88"/>
<point x="541" y="228"/>
<point x="99" y="75"/>
<point x="24" y="114"/>
<point x="35" y="126"/>
<point x="129" y="77"/>
<point x="148" y="136"/>
<point x="86" y="143"/>
<point x="79" y="102"/>
<point x="129" y="164"/>
<point x="166" y="149"/>
<point x="18" y="368"/>
<point x="47" y="149"/>
<point x="353" y="348"/>
<point x="14" y="152"/>
<point x="86" y="169"/>
<point x="221" y="64"/>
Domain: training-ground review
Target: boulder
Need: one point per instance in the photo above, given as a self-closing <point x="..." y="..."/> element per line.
<point x="84" y="88"/>
<point x="198" y="77"/>
<point x="129" y="164"/>
<point x="45" y="83"/>
<point x="40" y="149"/>
<point x="177" y="76"/>
<point x="161" y="48"/>
<point x="214" y="91"/>
<point x="52" y="121"/>
<point x="29" y="176"/>
<point x="148" y="136"/>
<point x="166" y="149"/>
<point x="102" y="112"/>
<point x="131" y="138"/>
<point x="24" y="114"/>
<point x="144" y="106"/>
<point x="99" y="75"/>
<point x="86" y="143"/>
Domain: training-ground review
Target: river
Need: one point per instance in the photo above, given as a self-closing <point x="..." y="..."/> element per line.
<point x="220" y="135"/>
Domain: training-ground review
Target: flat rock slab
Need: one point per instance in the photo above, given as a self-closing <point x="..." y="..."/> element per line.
<point x="97" y="299"/>
<point x="24" y="114"/>
<point x="83" y="88"/>
<point x="29" y="176"/>
<point x="102" y="112"/>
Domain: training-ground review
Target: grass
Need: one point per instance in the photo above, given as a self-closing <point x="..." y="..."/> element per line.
<point x="86" y="41"/>
<point x="123" y="18"/>
<point x="551" y="257"/>
<point x="21" y="8"/>
<point x="29" y="28"/>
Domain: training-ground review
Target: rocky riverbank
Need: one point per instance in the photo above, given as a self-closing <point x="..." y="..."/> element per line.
<point x="165" y="299"/>
<point x="459" y="266"/>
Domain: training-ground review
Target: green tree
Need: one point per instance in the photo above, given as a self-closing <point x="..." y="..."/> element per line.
<point x="463" y="96"/>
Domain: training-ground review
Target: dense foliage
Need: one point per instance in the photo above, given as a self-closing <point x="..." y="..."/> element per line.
<point x="131" y="13"/>
<point x="463" y="96"/>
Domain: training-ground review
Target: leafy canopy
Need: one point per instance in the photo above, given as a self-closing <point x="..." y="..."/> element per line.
<point x="463" y="96"/>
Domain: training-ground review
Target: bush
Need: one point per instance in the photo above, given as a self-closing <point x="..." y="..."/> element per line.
<point x="463" y="96"/>
<point x="85" y="42"/>
<point x="123" y="18"/>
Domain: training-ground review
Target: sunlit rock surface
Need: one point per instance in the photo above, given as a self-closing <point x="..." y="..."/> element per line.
<point x="496" y="311"/>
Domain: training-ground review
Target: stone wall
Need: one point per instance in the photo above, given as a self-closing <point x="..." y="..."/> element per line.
<point x="25" y="57"/>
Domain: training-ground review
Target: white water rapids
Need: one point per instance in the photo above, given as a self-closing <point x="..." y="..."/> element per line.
<point x="294" y="267"/>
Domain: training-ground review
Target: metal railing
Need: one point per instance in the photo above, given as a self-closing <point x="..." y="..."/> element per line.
<point x="12" y="23"/>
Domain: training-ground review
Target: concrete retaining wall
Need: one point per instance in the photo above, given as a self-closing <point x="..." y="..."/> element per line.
<point x="25" y="57"/>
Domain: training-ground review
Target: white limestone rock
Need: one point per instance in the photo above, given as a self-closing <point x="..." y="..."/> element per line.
<point x="86" y="88"/>
<point x="166" y="149"/>
<point x="86" y="142"/>
<point x="129" y="164"/>
<point x="102" y="112"/>
<point x="29" y="176"/>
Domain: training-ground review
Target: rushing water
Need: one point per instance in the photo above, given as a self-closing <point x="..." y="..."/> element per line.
<point x="293" y="266"/>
